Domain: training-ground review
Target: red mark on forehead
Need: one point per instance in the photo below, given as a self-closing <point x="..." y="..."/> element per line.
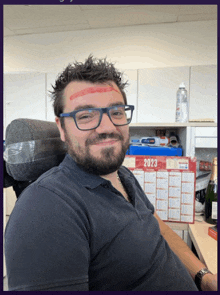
<point x="92" y="90"/>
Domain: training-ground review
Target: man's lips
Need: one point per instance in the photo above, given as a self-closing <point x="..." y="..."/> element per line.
<point x="104" y="139"/>
<point x="106" y="142"/>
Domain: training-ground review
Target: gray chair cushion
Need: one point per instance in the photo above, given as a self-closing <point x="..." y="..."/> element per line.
<point x="31" y="148"/>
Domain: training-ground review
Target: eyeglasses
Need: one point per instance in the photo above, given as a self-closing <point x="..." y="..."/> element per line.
<point x="88" y="119"/>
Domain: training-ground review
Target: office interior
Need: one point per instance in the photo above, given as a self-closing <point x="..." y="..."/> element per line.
<point x="156" y="46"/>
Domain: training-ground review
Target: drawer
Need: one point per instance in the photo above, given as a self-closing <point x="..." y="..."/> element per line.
<point x="206" y="142"/>
<point x="206" y="131"/>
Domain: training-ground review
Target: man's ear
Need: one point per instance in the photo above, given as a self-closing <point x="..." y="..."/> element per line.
<point x="62" y="134"/>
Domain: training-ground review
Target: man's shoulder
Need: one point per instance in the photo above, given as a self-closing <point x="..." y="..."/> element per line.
<point x="58" y="175"/>
<point x="56" y="180"/>
<point x="54" y="188"/>
<point x="51" y="176"/>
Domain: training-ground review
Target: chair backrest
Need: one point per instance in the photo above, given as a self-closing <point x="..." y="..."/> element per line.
<point x="31" y="148"/>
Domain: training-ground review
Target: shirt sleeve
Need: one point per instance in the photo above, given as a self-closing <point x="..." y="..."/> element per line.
<point x="47" y="243"/>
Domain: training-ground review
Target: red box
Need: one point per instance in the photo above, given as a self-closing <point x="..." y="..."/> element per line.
<point x="212" y="232"/>
<point x="205" y="166"/>
<point x="169" y="183"/>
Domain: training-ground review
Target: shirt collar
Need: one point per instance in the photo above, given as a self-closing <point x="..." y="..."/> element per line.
<point x="87" y="179"/>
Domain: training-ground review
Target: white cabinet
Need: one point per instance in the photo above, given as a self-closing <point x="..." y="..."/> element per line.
<point x="203" y="92"/>
<point x="50" y="80"/>
<point x="156" y="105"/>
<point x="206" y="142"/>
<point x="131" y="91"/>
<point x="203" y="140"/>
<point x="24" y="97"/>
<point x="206" y="131"/>
<point x="206" y="137"/>
<point x="157" y="89"/>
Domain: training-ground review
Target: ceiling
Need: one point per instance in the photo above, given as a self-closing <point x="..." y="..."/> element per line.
<point x="38" y="19"/>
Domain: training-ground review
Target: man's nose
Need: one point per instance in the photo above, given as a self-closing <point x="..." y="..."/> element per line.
<point x="106" y="125"/>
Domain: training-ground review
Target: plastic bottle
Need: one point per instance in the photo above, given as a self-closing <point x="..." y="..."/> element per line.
<point x="182" y="110"/>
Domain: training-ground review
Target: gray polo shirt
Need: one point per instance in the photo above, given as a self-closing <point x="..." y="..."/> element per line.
<point x="72" y="230"/>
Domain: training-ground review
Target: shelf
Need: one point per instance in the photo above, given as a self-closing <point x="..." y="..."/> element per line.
<point x="175" y="124"/>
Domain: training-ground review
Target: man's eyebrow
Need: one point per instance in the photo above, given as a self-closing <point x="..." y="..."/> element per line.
<point x="90" y="106"/>
<point x="116" y="104"/>
<point x="92" y="90"/>
<point x="85" y="106"/>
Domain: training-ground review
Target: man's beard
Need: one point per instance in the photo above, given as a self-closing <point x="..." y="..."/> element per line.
<point x="108" y="162"/>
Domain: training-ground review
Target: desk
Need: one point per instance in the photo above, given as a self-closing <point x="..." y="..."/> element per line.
<point x="205" y="246"/>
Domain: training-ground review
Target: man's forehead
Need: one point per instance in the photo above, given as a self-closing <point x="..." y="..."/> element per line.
<point x="92" y="89"/>
<point x="78" y="89"/>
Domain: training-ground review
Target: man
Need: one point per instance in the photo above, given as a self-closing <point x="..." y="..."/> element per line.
<point x="87" y="224"/>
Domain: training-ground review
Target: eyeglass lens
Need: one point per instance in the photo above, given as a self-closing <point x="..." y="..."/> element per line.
<point x="89" y="119"/>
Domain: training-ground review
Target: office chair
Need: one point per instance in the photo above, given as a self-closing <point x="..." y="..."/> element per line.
<point x="31" y="148"/>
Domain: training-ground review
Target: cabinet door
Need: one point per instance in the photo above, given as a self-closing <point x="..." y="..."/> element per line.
<point x="24" y="97"/>
<point x="206" y="137"/>
<point x="157" y="89"/>
<point x="203" y="92"/>
<point x="50" y="80"/>
<point x="131" y="90"/>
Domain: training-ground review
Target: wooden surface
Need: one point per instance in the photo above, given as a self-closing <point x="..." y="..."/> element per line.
<point x="206" y="246"/>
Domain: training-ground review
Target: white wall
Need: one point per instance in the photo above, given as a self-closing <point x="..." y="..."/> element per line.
<point x="32" y="62"/>
<point x="133" y="47"/>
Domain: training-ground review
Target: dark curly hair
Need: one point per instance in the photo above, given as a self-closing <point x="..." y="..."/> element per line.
<point x="92" y="70"/>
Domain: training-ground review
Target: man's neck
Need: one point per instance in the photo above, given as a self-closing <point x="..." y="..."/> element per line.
<point x="111" y="177"/>
<point x="116" y="182"/>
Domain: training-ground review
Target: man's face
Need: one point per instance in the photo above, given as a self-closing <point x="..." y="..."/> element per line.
<point x="102" y="150"/>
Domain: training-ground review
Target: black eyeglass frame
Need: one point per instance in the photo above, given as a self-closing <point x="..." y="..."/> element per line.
<point x="101" y="111"/>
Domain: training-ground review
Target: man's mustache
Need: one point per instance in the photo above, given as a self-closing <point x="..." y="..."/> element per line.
<point x="102" y="136"/>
